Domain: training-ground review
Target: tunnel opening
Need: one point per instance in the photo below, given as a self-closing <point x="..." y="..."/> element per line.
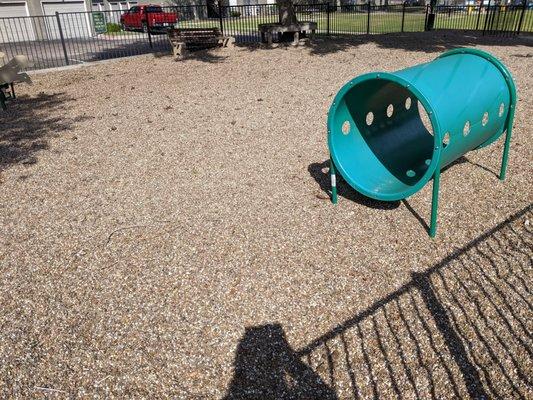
<point x="382" y="138"/>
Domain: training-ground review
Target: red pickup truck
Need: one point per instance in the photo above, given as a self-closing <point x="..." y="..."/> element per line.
<point x="147" y="17"/>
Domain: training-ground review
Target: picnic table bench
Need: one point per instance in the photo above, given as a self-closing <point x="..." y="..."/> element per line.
<point x="182" y="39"/>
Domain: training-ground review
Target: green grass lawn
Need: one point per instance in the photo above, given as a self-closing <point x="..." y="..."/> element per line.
<point x="338" y="22"/>
<point x="380" y="22"/>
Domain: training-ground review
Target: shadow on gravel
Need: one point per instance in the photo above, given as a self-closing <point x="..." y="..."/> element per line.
<point x="27" y="125"/>
<point x="460" y="329"/>
<point x="212" y="55"/>
<point x="320" y="173"/>
<point x="428" y="42"/>
<point x="267" y="368"/>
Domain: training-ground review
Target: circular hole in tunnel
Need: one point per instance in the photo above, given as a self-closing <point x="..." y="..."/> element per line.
<point x="390" y="110"/>
<point x="466" y="128"/>
<point x="446" y="139"/>
<point x="408" y="103"/>
<point x="501" y="110"/>
<point x="410" y="173"/>
<point x="485" y="119"/>
<point x="369" y="118"/>
<point x="424" y="117"/>
<point x="346" y="127"/>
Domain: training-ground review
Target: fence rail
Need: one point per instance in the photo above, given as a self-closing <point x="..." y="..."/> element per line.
<point x="78" y="37"/>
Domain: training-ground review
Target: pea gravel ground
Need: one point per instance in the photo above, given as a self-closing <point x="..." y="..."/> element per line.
<point x="166" y="233"/>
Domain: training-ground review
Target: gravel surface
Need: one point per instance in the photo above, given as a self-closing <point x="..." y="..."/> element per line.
<point x="166" y="232"/>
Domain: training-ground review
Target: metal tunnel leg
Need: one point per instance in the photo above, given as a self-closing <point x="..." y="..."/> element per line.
<point x="333" y="177"/>
<point x="507" y="145"/>
<point x="434" y="203"/>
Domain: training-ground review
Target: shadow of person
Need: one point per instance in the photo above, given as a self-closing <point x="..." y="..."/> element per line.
<point x="320" y="173"/>
<point x="266" y="367"/>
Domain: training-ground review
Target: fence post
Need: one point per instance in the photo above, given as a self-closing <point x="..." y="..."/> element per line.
<point x="524" y="5"/>
<point x="486" y="18"/>
<point x="62" y="38"/>
<point x="368" y="19"/>
<point x="479" y="14"/>
<point x="497" y="14"/>
<point x="403" y="15"/>
<point x="327" y="20"/>
<point x="220" y="20"/>
<point x="426" y="22"/>
<point x="148" y="29"/>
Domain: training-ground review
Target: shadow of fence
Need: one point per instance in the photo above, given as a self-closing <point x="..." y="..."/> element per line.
<point x="461" y="329"/>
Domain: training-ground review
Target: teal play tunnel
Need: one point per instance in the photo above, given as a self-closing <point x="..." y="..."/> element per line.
<point x="390" y="133"/>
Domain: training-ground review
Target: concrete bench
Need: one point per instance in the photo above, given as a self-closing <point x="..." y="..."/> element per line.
<point x="269" y="30"/>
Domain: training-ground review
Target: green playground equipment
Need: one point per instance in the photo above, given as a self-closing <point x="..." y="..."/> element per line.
<point x="390" y="133"/>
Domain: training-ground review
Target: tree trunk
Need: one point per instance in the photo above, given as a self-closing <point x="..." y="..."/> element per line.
<point x="287" y="14"/>
<point x="212" y="9"/>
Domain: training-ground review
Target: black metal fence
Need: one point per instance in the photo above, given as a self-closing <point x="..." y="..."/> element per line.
<point x="490" y="19"/>
<point x="73" y="38"/>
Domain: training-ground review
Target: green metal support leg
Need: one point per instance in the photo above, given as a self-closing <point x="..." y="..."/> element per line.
<point x="333" y="177"/>
<point x="507" y="145"/>
<point x="434" y="203"/>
